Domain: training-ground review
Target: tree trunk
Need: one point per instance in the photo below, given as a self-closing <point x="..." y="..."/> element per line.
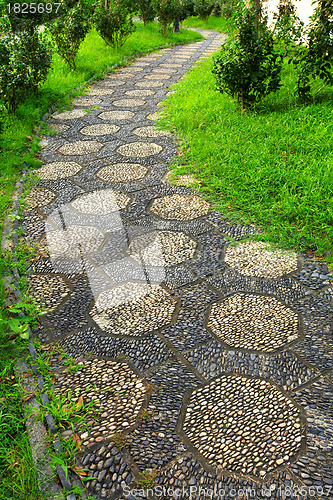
<point x="257" y="9"/>
<point x="176" y="30"/>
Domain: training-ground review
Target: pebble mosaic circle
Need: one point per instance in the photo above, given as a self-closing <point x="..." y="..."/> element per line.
<point x="74" y="242"/>
<point x="139" y="149"/>
<point x="111" y="83"/>
<point x="129" y="103"/>
<point x="139" y="93"/>
<point x="257" y="258"/>
<point x="138" y="309"/>
<point x="105" y="91"/>
<point x="253" y="322"/>
<point x="243" y="425"/>
<point x="39" y="197"/>
<point x="103" y="129"/>
<point x="175" y="247"/>
<point x="179" y="207"/>
<point x="122" y="172"/>
<point x="117" y="391"/>
<point x="157" y="77"/>
<point x="149" y="84"/>
<point x="149" y="132"/>
<point x="60" y="128"/>
<point x="47" y="291"/>
<point x="80" y="148"/>
<point x="85" y="101"/>
<point x="58" y="170"/>
<point x="116" y="115"/>
<point x="172" y="65"/>
<point x="101" y="202"/>
<point x="70" y="115"/>
<point x="164" y="70"/>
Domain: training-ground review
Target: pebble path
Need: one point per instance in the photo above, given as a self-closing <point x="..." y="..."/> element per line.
<point x="220" y="375"/>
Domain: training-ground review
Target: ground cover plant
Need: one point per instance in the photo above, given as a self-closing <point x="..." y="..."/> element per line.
<point x="271" y="167"/>
<point x="216" y="23"/>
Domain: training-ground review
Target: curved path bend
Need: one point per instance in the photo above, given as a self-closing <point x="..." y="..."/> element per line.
<point x="211" y="363"/>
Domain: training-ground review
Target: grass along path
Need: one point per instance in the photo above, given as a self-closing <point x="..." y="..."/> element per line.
<point x="17" y="475"/>
<point x="212" y="23"/>
<point x="272" y="167"/>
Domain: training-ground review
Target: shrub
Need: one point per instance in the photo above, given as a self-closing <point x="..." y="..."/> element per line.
<point x="167" y="11"/>
<point x="146" y="11"/>
<point x="287" y="27"/>
<point x="113" y="21"/>
<point x="25" y="59"/>
<point x="69" y="30"/>
<point x="204" y="8"/>
<point x="247" y="66"/>
<point x="316" y="58"/>
<point x="227" y="8"/>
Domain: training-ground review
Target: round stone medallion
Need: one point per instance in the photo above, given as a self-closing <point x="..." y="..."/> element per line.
<point x="96" y="91"/>
<point x="86" y="102"/>
<point x="149" y="84"/>
<point x="80" y="148"/>
<point x="245" y="426"/>
<point x="139" y="93"/>
<point x="157" y="77"/>
<point x="103" y="129"/>
<point x="139" y="149"/>
<point x="164" y="70"/>
<point x="101" y="202"/>
<point x="258" y="258"/>
<point x="70" y="115"/>
<point x="39" y="197"/>
<point x="179" y="207"/>
<point x="133" y="309"/>
<point x="116" y="115"/>
<point x="122" y="172"/>
<point x="111" y="83"/>
<point x="48" y="291"/>
<point x="149" y="132"/>
<point x="58" y="170"/>
<point x="253" y="322"/>
<point x="129" y="103"/>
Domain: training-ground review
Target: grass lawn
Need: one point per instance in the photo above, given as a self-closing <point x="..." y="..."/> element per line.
<point x="272" y="167"/>
<point x="213" y="23"/>
<point x="17" y="478"/>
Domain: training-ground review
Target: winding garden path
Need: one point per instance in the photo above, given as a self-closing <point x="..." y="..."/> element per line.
<point x="211" y="363"/>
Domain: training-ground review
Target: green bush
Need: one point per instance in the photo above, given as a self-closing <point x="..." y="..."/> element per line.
<point x="204" y="8"/>
<point x="146" y="11"/>
<point x="25" y="59"/>
<point x="287" y="26"/>
<point x="315" y="59"/>
<point x="248" y="67"/>
<point x="113" y="21"/>
<point x="166" y="11"/>
<point x="69" y="30"/>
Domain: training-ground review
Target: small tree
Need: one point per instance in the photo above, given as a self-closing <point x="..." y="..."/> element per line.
<point x="69" y="30"/>
<point x="247" y="67"/>
<point x="204" y="8"/>
<point x="316" y="58"/>
<point x="113" y="21"/>
<point x="167" y="11"/>
<point x="146" y="11"/>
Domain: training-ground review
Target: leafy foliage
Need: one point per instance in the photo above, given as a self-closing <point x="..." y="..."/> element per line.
<point x="247" y="66"/>
<point x="113" y="21"/>
<point x="227" y="8"/>
<point x="167" y="11"/>
<point x="69" y="30"/>
<point x="146" y="11"/>
<point x="316" y="58"/>
<point x="287" y="27"/>
<point x="25" y="59"/>
<point x="204" y="8"/>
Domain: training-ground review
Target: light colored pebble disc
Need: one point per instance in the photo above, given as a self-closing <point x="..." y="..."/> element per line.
<point x="101" y="202"/>
<point x="80" y="148"/>
<point x="149" y="132"/>
<point x="133" y="309"/>
<point x="48" y="291"/>
<point x="103" y="129"/>
<point x="139" y="93"/>
<point x="179" y="207"/>
<point x="70" y="115"/>
<point x="139" y="149"/>
<point x="244" y="425"/>
<point x="149" y="84"/>
<point x="58" y="170"/>
<point x="39" y="197"/>
<point x="253" y="322"/>
<point x="129" y="103"/>
<point x="116" y="115"/>
<point x="258" y="258"/>
<point x="97" y="91"/>
<point x="122" y="172"/>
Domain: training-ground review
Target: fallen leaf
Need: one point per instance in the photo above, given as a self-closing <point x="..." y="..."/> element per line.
<point x="77" y="441"/>
<point x="29" y="137"/>
<point x="79" y="403"/>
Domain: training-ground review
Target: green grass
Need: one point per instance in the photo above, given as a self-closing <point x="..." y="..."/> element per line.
<point x="272" y="167"/>
<point x="17" y="476"/>
<point x="213" y="23"/>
